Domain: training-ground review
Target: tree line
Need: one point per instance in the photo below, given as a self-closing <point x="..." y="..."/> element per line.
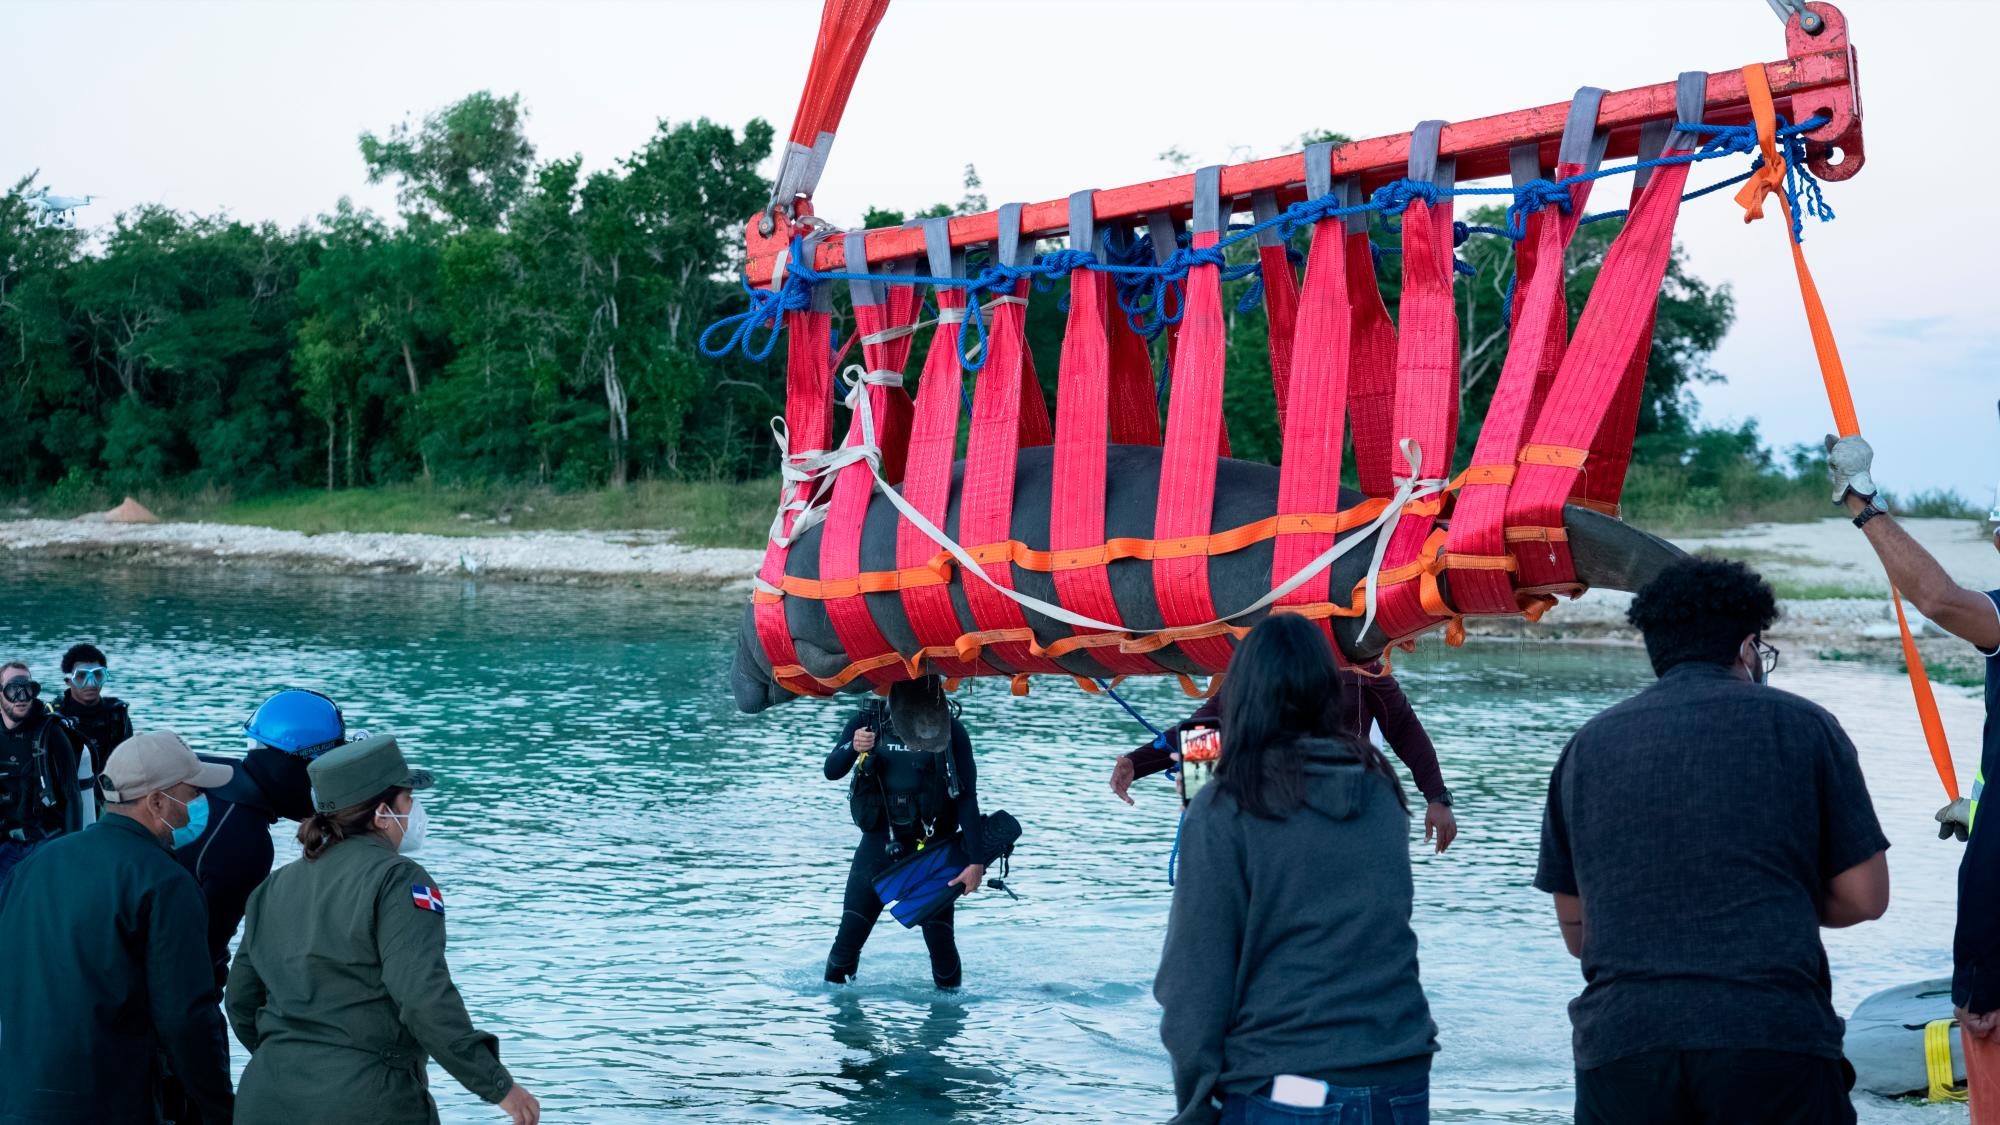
<point x="518" y="320"/>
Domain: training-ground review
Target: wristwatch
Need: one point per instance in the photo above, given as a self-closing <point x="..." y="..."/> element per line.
<point x="1443" y="798"/>
<point x="1868" y="512"/>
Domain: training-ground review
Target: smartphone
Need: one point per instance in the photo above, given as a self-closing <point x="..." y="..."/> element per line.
<point x="1201" y="747"/>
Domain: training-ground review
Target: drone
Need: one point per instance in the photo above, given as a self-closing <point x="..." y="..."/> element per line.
<point x="54" y="210"/>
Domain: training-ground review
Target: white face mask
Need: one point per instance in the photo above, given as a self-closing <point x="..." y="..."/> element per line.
<point x="414" y="823"/>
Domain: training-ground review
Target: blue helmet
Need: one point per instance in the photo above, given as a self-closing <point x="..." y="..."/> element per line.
<point x="304" y="723"/>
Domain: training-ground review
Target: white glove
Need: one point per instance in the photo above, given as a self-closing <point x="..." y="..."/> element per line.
<point x="1848" y="460"/>
<point x="1955" y="819"/>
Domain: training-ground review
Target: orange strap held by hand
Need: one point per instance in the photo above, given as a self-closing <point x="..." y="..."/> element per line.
<point x="1770" y="178"/>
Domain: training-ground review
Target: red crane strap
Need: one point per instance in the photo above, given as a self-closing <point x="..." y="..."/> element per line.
<point x="1602" y="483"/>
<point x="1427" y="381"/>
<point x="883" y="316"/>
<point x="1186" y="504"/>
<point x="933" y="448"/>
<point x="1316" y="394"/>
<point x="1083" y="417"/>
<point x="808" y="431"/>
<point x="1371" y="380"/>
<point x="992" y="455"/>
<point x="845" y="29"/>
<point x="1769" y="178"/>
<point x="1540" y="330"/>
<point x="1281" y="297"/>
<point x="1613" y="329"/>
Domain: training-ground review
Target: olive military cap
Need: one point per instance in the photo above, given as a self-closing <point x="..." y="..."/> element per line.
<point x="360" y="771"/>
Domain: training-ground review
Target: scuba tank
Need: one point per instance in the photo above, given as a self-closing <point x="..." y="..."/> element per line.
<point x="1201" y="748"/>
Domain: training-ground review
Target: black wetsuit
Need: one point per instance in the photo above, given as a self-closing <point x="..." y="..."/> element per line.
<point x="103" y="724"/>
<point x="899" y="796"/>
<point x="234" y="854"/>
<point x="39" y="796"/>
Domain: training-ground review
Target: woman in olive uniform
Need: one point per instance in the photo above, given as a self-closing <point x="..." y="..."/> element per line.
<point x="340" y="989"/>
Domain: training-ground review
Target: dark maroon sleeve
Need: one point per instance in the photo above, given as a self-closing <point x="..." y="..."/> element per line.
<point x="1150" y="758"/>
<point x="1383" y="702"/>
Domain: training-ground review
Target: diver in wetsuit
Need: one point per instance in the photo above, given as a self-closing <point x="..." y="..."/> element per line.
<point x="911" y="788"/>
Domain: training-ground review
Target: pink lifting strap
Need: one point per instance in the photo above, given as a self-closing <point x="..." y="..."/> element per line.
<point x="1427" y="384"/>
<point x="1186" y="505"/>
<point x="1539" y="331"/>
<point x="808" y="433"/>
<point x="882" y="318"/>
<point x="1615" y="322"/>
<point x="1083" y="400"/>
<point x="1317" y="391"/>
<point x="933" y="447"/>
<point x="1371" y="384"/>
<point x="992" y="455"/>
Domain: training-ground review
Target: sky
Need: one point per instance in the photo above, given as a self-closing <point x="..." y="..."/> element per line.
<point x="254" y="109"/>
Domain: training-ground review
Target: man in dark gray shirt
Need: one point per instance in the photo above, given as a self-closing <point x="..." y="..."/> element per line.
<point x="1697" y="836"/>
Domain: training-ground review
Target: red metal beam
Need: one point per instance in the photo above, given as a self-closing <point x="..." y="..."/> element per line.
<point x="1817" y="77"/>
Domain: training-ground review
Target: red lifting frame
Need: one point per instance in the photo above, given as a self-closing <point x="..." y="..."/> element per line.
<point x="1817" y="77"/>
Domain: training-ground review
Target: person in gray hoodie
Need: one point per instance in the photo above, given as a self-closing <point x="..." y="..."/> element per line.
<point x="1288" y="987"/>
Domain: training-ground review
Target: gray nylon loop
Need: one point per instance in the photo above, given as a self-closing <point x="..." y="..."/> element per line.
<point x="1208" y="207"/>
<point x="1013" y="250"/>
<point x="816" y="163"/>
<point x="1166" y="234"/>
<point x="865" y="291"/>
<point x="1524" y="162"/>
<point x="1319" y="169"/>
<point x="822" y="295"/>
<point x="1083" y="219"/>
<point x="1447" y="173"/>
<point x="1349" y="188"/>
<point x="1583" y="142"/>
<point x="1424" y="151"/>
<point x="945" y="262"/>
<point x="1264" y="208"/>
<point x="1690" y="105"/>
<point x="1652" y="142"/>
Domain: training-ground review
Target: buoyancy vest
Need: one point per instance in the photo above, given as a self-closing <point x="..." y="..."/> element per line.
<point x="896" y="789"/>
<point x="29" y="790"/>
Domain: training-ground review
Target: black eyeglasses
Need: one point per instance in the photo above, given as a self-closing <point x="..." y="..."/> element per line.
<point x="1767" y="654"/>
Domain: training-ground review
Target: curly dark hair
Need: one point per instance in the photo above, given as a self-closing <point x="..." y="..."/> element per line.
<point x="1701" y="609"/>
<point x="80" y="654"/>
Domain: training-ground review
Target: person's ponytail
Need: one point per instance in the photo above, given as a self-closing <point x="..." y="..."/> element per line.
<point x="321" y="831"/>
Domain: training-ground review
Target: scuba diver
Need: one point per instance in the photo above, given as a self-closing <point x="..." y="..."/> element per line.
<point x="914" y="787"/>
<point x="102" y="720"/>
<point x="39" y="795"/>
<point x="233" y="854"/>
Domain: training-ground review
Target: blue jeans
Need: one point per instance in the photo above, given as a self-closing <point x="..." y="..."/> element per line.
<point x="1407" y="1104"/>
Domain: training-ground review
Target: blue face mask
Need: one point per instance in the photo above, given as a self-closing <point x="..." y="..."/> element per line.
<point x="197" y="810"/>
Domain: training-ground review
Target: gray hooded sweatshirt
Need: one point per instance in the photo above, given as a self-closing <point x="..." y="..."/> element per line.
<point x="1289" y="949"/>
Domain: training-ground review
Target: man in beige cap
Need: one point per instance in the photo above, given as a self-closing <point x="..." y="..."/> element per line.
<point x="109" y="938"/>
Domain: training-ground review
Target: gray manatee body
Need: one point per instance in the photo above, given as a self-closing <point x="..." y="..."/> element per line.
<point x="1607" y="553"/>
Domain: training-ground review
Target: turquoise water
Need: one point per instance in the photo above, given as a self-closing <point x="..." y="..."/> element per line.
<point x="644" y="883"/>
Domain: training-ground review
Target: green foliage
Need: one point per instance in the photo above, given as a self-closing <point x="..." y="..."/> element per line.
<point x="523" y="324"/>
<point x="1938" y="503"/>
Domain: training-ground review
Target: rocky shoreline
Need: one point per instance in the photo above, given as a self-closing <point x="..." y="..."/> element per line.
<point x="1843" y="614"/>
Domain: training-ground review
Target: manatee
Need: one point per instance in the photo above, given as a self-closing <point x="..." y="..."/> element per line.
<point x="1607" y="553"/>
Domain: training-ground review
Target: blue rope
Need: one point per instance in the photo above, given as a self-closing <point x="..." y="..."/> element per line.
<point x="1142" y="286"/>
<point x="1159" y="736"/>
<point x="1175" y="854"/>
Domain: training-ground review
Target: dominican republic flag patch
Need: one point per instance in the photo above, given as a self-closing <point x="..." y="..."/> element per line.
<point x="427" y="898"/>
